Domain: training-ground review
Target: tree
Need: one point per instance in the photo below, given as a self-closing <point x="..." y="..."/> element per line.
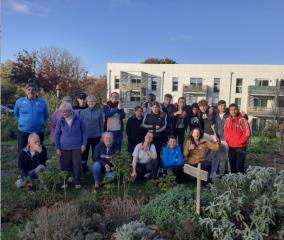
<point x="8" y="89"/>
<point x="159" y="61"/>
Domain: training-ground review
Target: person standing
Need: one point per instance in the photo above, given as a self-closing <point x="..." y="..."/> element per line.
<point x="92" y="117"/>
<point x="195" y="119"/>
<point x="134" y="130"/>
<point x="32" y="114"/>
<point x="70" y="142"/>
<point x="237" y="134"/>
<point x="81" y="103"/>
<point x="147" y="106"/>
<point x="169" y="109"/>
<point x="114" y="115"/>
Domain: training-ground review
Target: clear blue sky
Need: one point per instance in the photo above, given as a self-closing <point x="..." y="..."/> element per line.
<point x="189" y="31"/>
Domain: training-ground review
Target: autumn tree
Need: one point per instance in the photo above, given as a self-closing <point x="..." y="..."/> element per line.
<point x="159" y="61"/>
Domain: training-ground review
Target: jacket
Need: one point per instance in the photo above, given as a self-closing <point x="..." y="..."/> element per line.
<point x="219" y="125"/>
<point x="134" y="130"/>
<point x="27" y="162"/>
<point x="111" y="111"/>
<point x="172" y="158"/>
<point x="103" y="155"/>
<point x="70" y="138"/>
<point x="208" y="121"/>
<point x="31" y="115"/>
<point x="151" y="120"/>
<point x="198" y="154"/>
<point x="93" y="120"/>
<point x="237" y="132"/>
<point x="195" y="121"/>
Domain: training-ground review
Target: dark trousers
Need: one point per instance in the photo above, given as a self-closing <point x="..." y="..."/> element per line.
<point x="179" y="134"/>
<point x="23" y="139"/>
<point x="237" y="158"/>
<point x="131" y="146"/>
<point x="158" y="142"/>
<point x="91" y="143"/>
<point x="143" y="168"/>
<point x="117" y="140"/>
<point x="70" y="161"/>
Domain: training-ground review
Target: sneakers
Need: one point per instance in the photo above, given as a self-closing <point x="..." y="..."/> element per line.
<point x="77" y="186"/>
<point x="70" y="180"/>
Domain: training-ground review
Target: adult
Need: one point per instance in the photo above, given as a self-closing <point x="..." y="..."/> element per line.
<point x="32" y="160"/>
<point x="169" y="109"/>
<point x="81" y="102"/>
<point x="218" y="164"/>
<point x="173" y="157"/>
<point x="93" y="120"/>
<point x="145" y="163"/>
<point x="70" y="142"/>
<point x="156" y="122"/>
<point x="195" y="119"/>
<point x="114" y="115"/>
<point x="208" y="118"/>
<point x="32" y="114"/>
<point x="237" y="134"/>
<point x="104" y="152"/>
<point x="147" y="106"/>
<point x="180" y="121"/>
<point x="134" y="130"/>
<point x="55" y="117"/>
<point x="196" y="149"/>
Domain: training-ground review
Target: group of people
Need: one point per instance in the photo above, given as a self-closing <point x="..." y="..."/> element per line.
<point x="156" y="134"/>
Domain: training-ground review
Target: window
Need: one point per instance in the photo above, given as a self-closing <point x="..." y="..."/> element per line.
<point x="261" y="82"/>
<point x="175" y="84"/>
<point x="134" y="97"/>
<point x="135" y="82"/>
<point x="196" y="82"/>
<point x="216" y="88"/>
<point x="281" y="83"/>
<point x="239" y="85"/>
<point x="281" y="102"/>
<point x="238" y="101"/>
<point x="260" y="102"/>
<point x="215" y="101"/>
<point x="116" y="83"/>
<point x="153" y="84"/>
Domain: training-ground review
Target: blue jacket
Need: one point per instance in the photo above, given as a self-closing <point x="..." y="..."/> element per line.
<point x="70" y="138"/>
<point x="109" y="112"/>
<point x="172" y="158"/>
<point x="31" y="115"/>
<point x="93" y="120"/>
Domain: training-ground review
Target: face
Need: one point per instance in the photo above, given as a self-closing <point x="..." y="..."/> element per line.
<point x="181" y="103"/>
<point x="66" y="114"/>
<point x="91" y="104"/>
<point x="81" y="102"/>
<point x="167" y="100"/>
<point x="194" y="111"/>
<point x="233" y="111"/>
<point x="33" y="143"/>
<point x="114" y="97"/>
<point x="138" y="112"/>
<point x="172" y="143"/>
<point x="150" y="99"/>
<point x="222" y="108"/>
<point x="149" y="137"/>
<point x="155" y="109"/>
<point x="196" y="134"/>
<point x="31" y="92"/>
<point x="107" y="139"/>
<point x="203" y="108"/>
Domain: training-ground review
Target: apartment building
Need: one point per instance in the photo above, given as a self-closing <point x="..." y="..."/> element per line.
<point x="257" y="89"/>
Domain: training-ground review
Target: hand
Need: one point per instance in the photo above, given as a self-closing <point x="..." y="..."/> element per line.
<point x="133" y="174"/>
<point x="58" y="152"/>
<point x="157" y="126"/>
<point x="38" y="148"/>
<point x="191" y="146"/>
<point x="107" y="167"/>
<point x="83" y="148"/>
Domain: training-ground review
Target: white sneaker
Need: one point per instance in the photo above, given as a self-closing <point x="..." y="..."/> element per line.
<point x="77" y="186"/>
<point x="70" y="180"/>
<point x="64" y="186"/>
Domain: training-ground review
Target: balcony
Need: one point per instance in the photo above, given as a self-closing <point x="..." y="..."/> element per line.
<point x="266" y="90"/>
<point x="265" y="111"/>
<point x="198" y="90"/>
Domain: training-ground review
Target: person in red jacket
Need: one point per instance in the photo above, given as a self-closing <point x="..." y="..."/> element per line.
<point x="237" y="133"/>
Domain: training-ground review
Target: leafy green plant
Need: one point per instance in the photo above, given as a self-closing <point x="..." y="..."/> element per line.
<point x="167" y="181"/>
<point x="9" y="128"/>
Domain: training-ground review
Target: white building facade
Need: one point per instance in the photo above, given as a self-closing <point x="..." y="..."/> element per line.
<point x="257" y="89"/>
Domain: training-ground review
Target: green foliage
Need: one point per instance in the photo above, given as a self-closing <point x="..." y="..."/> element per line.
<point x="159" y="61"/>
<point x="9" y="128"/>
<point x="263" y="144"/>
<point x="245" y="206"/>
<point x="167" y="181"/>
<point x="87" y="203"/>
<point x="171" y="208"/>
<point x="134" y="230"/>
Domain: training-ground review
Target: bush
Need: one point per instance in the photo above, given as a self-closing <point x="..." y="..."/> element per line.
<point x="9" y="128"/>
<point x="134" y="230"/>
<point x="167" y="181"/>
<point x="171" y="208"/>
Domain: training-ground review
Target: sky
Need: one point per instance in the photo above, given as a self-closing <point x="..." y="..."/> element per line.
<point x="129" y="31"/>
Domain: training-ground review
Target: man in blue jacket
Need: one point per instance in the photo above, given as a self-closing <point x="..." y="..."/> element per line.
<point x="32" y="114"/>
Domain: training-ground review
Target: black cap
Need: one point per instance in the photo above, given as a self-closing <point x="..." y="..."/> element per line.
<point x="82" y="95"/>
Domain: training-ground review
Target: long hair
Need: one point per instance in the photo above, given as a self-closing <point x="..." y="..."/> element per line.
<point x="191" y="137"/>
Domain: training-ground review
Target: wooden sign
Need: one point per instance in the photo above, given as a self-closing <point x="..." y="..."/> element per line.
<point x="200" y="175"/>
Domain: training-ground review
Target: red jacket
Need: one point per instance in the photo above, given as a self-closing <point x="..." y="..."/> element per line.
<point x="237" y="131"/>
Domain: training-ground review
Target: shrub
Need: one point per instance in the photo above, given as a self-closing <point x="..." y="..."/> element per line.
<point x="9" y="128"/>
<point x="171" y="208"/>
<point x="134" y="230"/>
<point x="87" y="203"/>
<point x="167" y="181"/>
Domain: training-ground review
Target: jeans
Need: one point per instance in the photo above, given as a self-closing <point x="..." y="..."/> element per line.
<point x="91" y="143"/>
<point x="219" y="159"/>
<point x="34" y="173"/>
<point x="23" y="139"/>
<point x="117" y="140"/>
<point x="237" y="158"/>
<point x="99" y="172"/>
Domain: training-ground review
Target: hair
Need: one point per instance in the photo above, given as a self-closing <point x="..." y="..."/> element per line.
<point x="172" y="137"/>
<point x="33" y="135"/>
<point x="91" y="98"/>
<point x="137" y="107"/>
<point x="191" y="137"/>
<point x="203" y="102"/>
<point x="155" y="103"/>
<point x="194" y="105"/>
<point x="234" y="105"/>
<point x="65" y="107"/>
<point x="168" y="96"/>
<point x="152" y="95"/>
<point x="107" y="133"/>
<point x="114" y="93"/>
<point x="31" y="84"/>
<point x="221" y="102"/>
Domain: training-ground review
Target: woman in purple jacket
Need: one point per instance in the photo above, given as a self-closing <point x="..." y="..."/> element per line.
<point x="70" y="142"/>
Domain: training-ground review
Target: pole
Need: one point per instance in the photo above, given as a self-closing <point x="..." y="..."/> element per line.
<point x="198" y="190"/>
<point x="230" y="87"/>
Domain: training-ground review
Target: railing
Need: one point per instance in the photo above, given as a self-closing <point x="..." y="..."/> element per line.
<point x="195" y="89"/>
<point x="266" y="90"/>
<point x="265" y="110"/>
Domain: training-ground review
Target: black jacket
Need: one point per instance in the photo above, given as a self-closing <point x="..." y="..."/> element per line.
<point x="187" y="109"/>
<point x="151" y="120"/>
<point x="135" y="131"/>
<point x="27" y="162"/>
<point x="195" y="121"/>
<point x="169" y="110"/>
<point x="103" y="155"/>
<point x="208" y="121"/>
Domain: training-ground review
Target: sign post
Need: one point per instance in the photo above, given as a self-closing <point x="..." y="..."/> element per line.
<point x="200" y="175"/>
